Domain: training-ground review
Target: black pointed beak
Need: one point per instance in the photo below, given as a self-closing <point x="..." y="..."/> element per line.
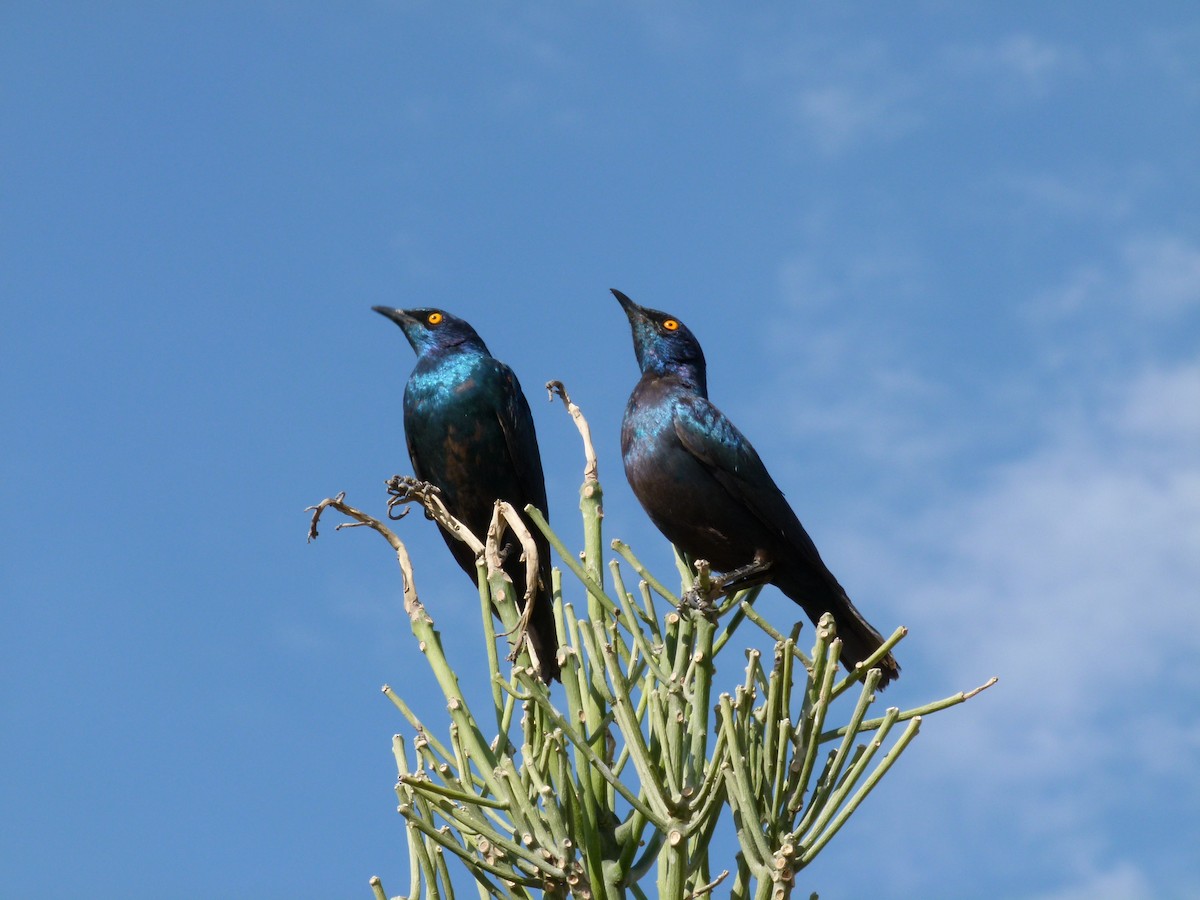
<point x="399" y="316"/>
<point x="631" y="308"/>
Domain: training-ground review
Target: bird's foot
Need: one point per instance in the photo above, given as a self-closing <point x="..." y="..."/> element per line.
<point x="702" y="602"/>
<point x="745" y="576"/>
<point x="703" y="592"/>
<point x="405" y="489"/>
<point x="707" y="590"/>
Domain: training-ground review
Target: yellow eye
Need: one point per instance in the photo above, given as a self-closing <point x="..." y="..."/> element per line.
<point x="434" y="318"/>
<point x="670" y="325"/>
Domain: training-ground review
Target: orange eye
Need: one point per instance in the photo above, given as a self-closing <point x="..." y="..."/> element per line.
<point x="670" y="325"/>
<point x="434" y="318"/>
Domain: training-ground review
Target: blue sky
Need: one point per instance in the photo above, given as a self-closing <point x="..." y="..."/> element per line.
<point x="945" y="263"/>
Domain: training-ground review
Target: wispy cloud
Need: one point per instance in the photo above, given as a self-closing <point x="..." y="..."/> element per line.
<point x="1108" y="313"/>
<point x="1067" y="551"/>
<point x="845" y="96"/>
<point x="1019" y="65"/>
<point x="1109" y="197"/>
<point x="1122" y="881"/>
<point x="1067" y="566"/>
<point x="1071" y="573"/>
<point x="1163" y="274"/>
<point x="1176" y="52"/>
<point x="837" y="96"/>
<point x="861" y="385"/>
<point x="839" y="116"/>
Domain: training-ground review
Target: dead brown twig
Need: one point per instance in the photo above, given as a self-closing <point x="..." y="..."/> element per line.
<point x="412" y="605"/>
<point x="591" y="468"/>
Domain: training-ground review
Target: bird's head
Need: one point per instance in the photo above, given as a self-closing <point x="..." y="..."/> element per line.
<point x="663" y="344"/>
<point x="432" y="329"/>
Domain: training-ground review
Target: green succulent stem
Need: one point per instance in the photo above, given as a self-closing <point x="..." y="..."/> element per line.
<point x="614" y="784"/>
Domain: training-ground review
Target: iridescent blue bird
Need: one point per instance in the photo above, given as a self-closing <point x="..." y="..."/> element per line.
<point x="704" y="486"/>
<point x="470" y="433"/>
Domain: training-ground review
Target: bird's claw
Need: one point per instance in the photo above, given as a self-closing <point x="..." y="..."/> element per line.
<point x="702" y="596"/>
<point x="405" y="489"/>
<point x="694" y="599"/>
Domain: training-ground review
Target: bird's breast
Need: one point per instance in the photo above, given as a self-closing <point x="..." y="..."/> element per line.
<point x="677" y="489"/>
<point x="656" y="463"/>
<point x="644" y="429"/>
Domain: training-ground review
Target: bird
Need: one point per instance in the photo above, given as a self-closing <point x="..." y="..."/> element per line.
<point x="470" y="433"/>
<point x="705" y="488"/>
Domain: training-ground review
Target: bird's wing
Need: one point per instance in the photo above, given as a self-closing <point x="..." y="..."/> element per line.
<point x="516" y="420"/>
<point x="410" y="429"/>
<point x="708" y="435"/>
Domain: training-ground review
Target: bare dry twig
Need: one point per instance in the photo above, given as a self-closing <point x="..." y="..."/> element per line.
<point x="505" y="515"/>
<point x="404" y="489"/>
<point x="412" y="605"/>
<point x="591" y="468"/>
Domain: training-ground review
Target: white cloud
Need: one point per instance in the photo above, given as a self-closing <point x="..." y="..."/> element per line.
<point x="844" y="97"/>
<point x="1038" y="63"/>
<point x="1069" y="568"/>
<point x="840" y="95"/>
<point x="1071" y="572"/>
<point x="839" y="116"/>
<point x="1019" y="65"/>
<point x="1088" y="195"/>
<point x="1163" y="274"/>
<point x="1089" y="543"/>
<point x="1163" y="406"/>
<point x="1123" y="881"/>
<point x="533" y="34"/>
<point x="1150" y="279"/>
<point x="1175" y="51"/>
<point x="864" y="388"/>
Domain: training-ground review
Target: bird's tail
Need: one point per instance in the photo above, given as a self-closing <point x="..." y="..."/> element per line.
<point x="541" y="631"/>
<point x="859" y="638"/>
<point x="543" y="636"/>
